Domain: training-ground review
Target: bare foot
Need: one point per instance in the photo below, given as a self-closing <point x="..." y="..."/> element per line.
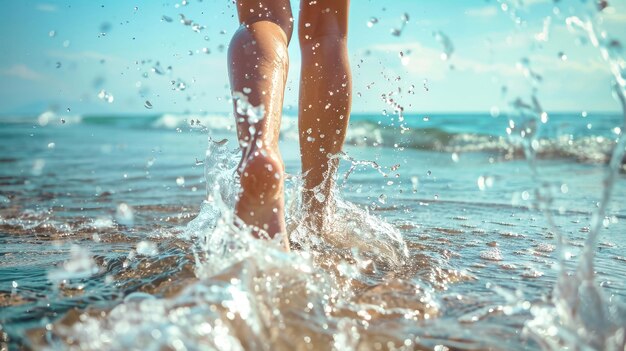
<point x="315" y="209"/>
<point x="261" y="202"/>
<point x="317" y="195"/>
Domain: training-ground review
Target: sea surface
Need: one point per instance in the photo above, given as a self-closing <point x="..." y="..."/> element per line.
<point x="116" y="232"/>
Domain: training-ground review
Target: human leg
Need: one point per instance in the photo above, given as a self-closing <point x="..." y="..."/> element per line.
<point x="258" y="64"/>
<point x="325" y="97"/>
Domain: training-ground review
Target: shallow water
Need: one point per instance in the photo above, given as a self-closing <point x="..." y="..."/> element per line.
<point x="97" y="252"/>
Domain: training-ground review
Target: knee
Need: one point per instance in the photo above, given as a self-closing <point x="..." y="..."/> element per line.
<point x="264" y="41"/>
<point x="261" y="176"/>
<point x="321" y="43"/>
<point x="282" y="20"/>
<point x="326" y="30"/>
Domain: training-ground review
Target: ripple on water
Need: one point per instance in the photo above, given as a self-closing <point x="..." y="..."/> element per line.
<point x="493" y="254"/>
<point x="544" y="247"/>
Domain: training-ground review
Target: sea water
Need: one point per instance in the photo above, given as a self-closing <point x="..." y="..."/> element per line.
<point x="427" y="248"/>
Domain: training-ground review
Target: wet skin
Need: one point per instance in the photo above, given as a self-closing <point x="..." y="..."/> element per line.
<point x="258" y="65"/>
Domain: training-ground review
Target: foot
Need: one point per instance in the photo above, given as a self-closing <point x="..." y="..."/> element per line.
<point x="315" y="206"/>
<point x="261" y="202"/>
<point x="317" y="195"/>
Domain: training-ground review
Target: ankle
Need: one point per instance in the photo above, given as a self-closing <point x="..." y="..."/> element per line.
<point x="261" y="176"/>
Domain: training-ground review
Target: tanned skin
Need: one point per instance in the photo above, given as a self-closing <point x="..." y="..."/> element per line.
<point x="258" y="63"/>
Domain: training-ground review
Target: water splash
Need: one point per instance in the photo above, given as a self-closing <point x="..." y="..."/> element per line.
<point x="106" y="96"/>
<point x="404" y="20"/>
<point x="248" y="292"/>
<point x="446" y="43"/>
<point x="579" y="315"/>
<point x="372" y="21"/>
<point x="79" y="266"/>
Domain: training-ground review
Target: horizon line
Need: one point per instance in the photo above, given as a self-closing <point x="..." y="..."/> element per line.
<point x="142" y="114"/>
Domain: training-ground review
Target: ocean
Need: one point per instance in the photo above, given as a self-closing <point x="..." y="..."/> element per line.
<point x="116" y="232"/>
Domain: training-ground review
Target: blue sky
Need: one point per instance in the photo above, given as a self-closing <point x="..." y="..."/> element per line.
<point x="64" y="54"/>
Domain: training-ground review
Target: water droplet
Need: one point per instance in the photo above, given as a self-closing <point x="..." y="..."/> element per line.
<point x="147" y="105"/>
<point x="494" y="111"/>
<point x="382" y="198"/>
<point x="320" y="197"/>
<point x="445" y="41"/>
<point x="105" y="96"/>
<point x="180" y="181"/>
<point x="481" y="183"/>
<point x="415" y="183"/>
<point x="147" y="248"/>
<point x="372" y="22"/>
<point x="124" y="214"/>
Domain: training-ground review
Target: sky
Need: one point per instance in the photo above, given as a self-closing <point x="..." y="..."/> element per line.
<point x="136" y="57"/>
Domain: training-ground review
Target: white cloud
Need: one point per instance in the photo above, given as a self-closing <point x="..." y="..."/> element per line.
<point x="21" y="71"/>
<point x="422" y="61"/>
<point x="84" y="55"/>
<point x="46" y="8"/>
<point x="427" y="62"/>
<point x="482" y="12"/>
<point x="552" y="63"/>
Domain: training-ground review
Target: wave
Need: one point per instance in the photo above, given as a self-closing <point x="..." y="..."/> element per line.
<point x="362" y="133"/>
<point x="586" y="149"/>
<point x="365" y="133"/>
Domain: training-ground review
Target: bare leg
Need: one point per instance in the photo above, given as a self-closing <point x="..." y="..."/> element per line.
<point x="325" y="97"/>
<point x="258" y="65"/>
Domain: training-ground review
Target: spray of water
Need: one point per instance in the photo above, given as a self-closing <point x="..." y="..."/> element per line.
<point x="579" y="315"/>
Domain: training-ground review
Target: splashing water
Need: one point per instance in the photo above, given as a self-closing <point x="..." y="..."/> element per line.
<point x="250" y="292"/>
<point x="446" y="43"/>
<point x="579" y="315"/>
